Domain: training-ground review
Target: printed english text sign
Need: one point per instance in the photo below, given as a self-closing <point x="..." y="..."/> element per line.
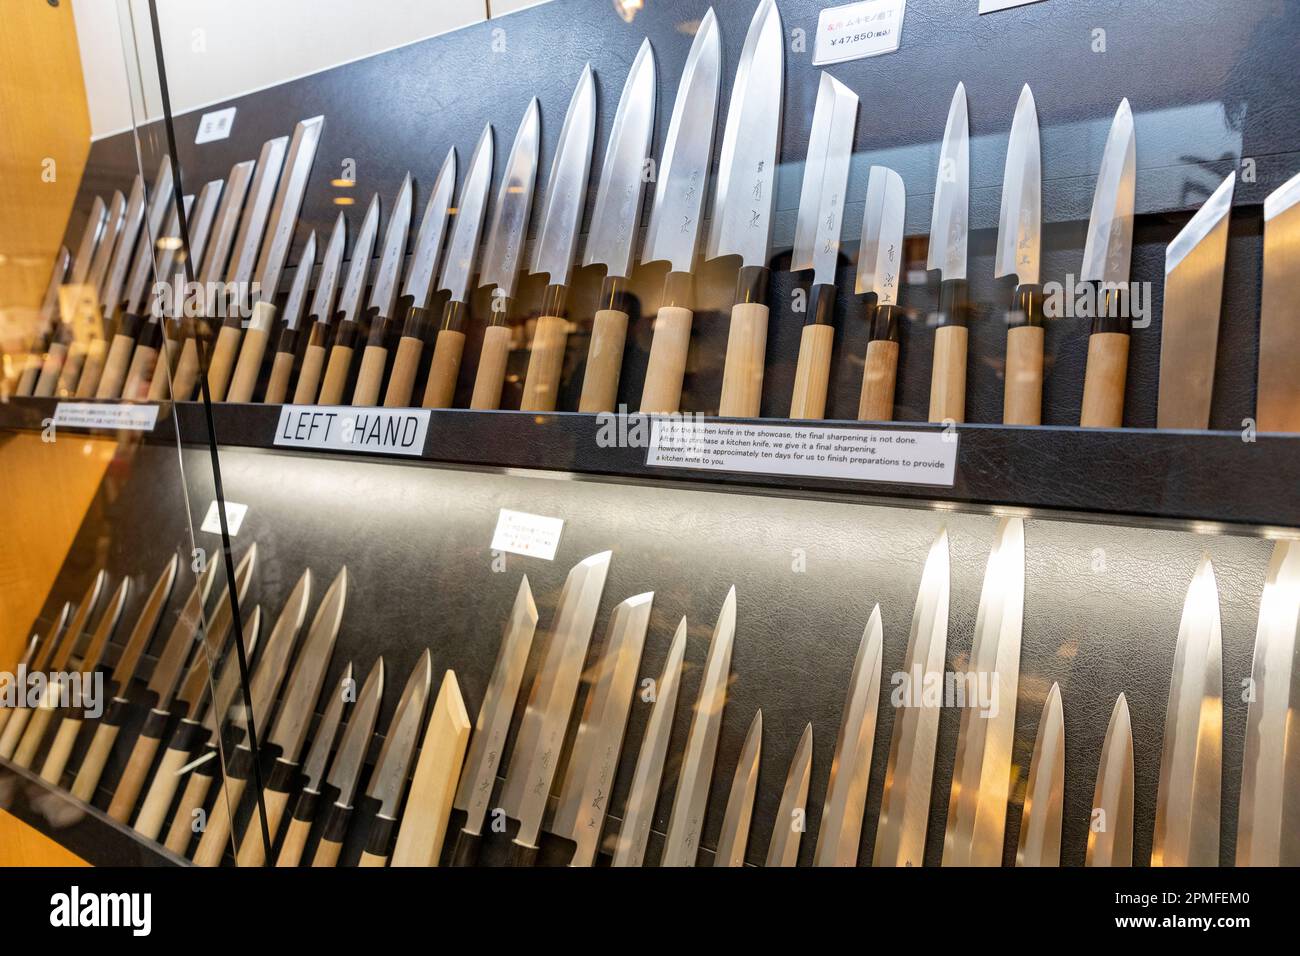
<point x="388" y="431"/>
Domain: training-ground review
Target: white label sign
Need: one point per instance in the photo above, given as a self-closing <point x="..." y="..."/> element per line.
<point x="993" y="6"/>
<point x="858" y="30"/>
<point x="234" y="518"/>
<point x="108" y="415"/>
<point x="215" y="125"/>
<point x="855" y="454"/>
<point x="389" y="431"/>
<point x="534" y="536"/>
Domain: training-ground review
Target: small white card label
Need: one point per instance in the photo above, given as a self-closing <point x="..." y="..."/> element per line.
<point x="534" y="536"/>
<point x="234" y="518"/>
<point x="389" y="431"/>
<point x="215" y="125"/>
<point x="107" y="415"/>
<point x="858" y="30"/>
<point x="993" y="6"/>
<point x="855" y="454"/>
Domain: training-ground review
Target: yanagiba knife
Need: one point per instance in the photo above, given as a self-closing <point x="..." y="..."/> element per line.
<point x="792" y="813"/>
<point x="321" y="316"/>
<point x="87" y="330"/>
<point x="817" y="238"/>
<point x="284" y="220"/>
<point x="1191" y="763"/>
<point x="457" y="267"/>
<point x="71" y="298"/>
<point x="734" y="836"/>
<point x="1110" y="830"/>
<point x="686" y="823"/>
<point x="49" y="315"/>
<point x="277" y="386"/>
<point x="347" y="328"/>
<point x="383" y="298"/>
<point x="905" y="804"/>
<point x="949" y="222"/>
<point x="557" y="234"/>
<point x="489" y="738"/>
<point x="1189" y="331"/>
<point x="40" y="655"/>
<point x="676" y="215"/>
<point x="546" y="719"/>
<point x="1107" y="254"/>
<point x="981" y="776"/>
<point x="1020" y="231"/>
<point x="614" y="223"/>
<point x="414" y="300"/>
<point x="638" y="815"/>
<point x="505" y="245"/>
<point x="743" y="201"/>
<point x="1277" y="406"/>
<point x="128" y="227"/>
<point x="593" y="760"/>
<point x="1270" y="772"/>
<point x="1040" y="823"/>
<point x="845" y="804"/>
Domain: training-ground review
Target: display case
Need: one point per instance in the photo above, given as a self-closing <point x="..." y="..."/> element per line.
<point x="775" y="434"/>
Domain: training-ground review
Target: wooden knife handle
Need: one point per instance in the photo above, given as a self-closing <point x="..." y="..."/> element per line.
<point x="216" y="836"/>
<point x="295" y="838"/>
<point x="224" y="354"/>
<point x="158" y="800"/>
<point x="13" y="732"/>
<point x="275" y="797"/>
<point x="879" y="376"/>
<point x="379" y="842"/>
<point x="370" y="377"/>
<point x="143" y="365"/>
<point x="401" y="380"/>
<point x="57" y="759"/>
<point x="545" y="365"/>
<point x="25" y="755"/>
<point x="115" y="367"/>
<point x="249" y="366"/>
<point x="277" y="387"/>
<point x="181" y="832"/>
<point x="491" y="375"/>
<point x="666" y="368"/>
<point x="1022" y="401"/>
<point x="313" y="360"/>
<point x="813" y="371"/>
<point x="336" y="375"/>
<point x="604" y="361"/>
<point x="948" y="380"/>
<point x="465" y="852"/>
<point x="521" y="855"/>
<point x="137" y="769"/>
<point x="185" y="378"/>
<point x="71" y="372"/>
<point x="331" y="841"/>
<point x="1105" y="380"/>
<point x="444" y="369"/>
<point x="92" y="764"/>
<point x="92" y="369"/>
<point x="27" y="378"/>
<point x="5" y="712"/>
<point x="742" y="372"/>
<point x="51" y="367"/>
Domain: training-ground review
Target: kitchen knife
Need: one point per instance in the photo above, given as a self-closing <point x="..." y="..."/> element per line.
<point x="128" y="227"/>
<point x="88" y="329"/>
<point x="39" y="658"/>
<point x="277" y="386"/>
<point x="49" y="315"/>
<point x="347" y="328"/>
<point x="949" y="222"/>
<point x="1277" y="408"/>
<point x="321" y="314"/>
<point x="792" y="814"/>
<point x="1040" y="823"/>
<point x="734" y="836"/>
<point x="383" y="298"/>
<point x="73" y="297"/>
<point x="1110" y="831"/>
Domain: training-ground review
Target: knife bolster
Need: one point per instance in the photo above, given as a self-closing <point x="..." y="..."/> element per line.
<point x="679" y="290"/>
<point x="821" y="309"/>
<point x="114" y="712"/>
<point x="521" y="855"/>
<point x="154" y="724"/>
<point x="336" y="824"/>
<point x="751" y="285"/>
<point x="378" y="326"/>
<point x="241" y="763"/>
<point x="380" y="837"/>
<point x="465" y="852"/>
<point x="346" y="333"/>
<point x="186" y="737"/>
<point x="954" y="307"/>
<point x="454" y="316"/>
<point x="319" y="335"/>
<point x="554" y="300"/>
<point x="884" y="324"/>
<point x="305" y="809"/>
<point x="1026" y="307"/>
<point x="614" y="296"/>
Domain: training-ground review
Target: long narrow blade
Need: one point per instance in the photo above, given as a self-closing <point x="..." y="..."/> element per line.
<point x="217" y="251"/>
<point x="45" y="650"/>
<point x="981" y="778"/>
<point x="1040" y="823"/>
<point x="638" y="815"/>
<point x="1277" y="407"/>
<point x="792" y="814"/>
<point x="383" y="292"/>
<point x="428" y="241"/>
<point x="734" y="837"/>
<point x="905" y="805"/>
<point x="1020" y="220"/>
<point x="355" y="285"/>
<point x="298" y="289"/>
<point x="1191" y="762"/>
<point x="322" y="303"/>
<point x="252" y="225"/>
<point x="309" y="671"/>
<point x="62" y="651"/>
<point x="99" y="266"/>
<point x="104" y="629"/>
<point x="509" y="227"/>
<point x="1110" y="829"/>
<point x="950" y="215"/>
<point x="746" y="189"/>
<point x="201" y="216"/>
<point x="617" y="214"/>
<point x="265" y="685"/>
<point x="160" y="201"/>
<point x="593" y="761"/>
<point x="50" y="304"/>
<point x="493" y="723"/>
<point x="226" y="687"/>
<point x="389" y="779"/>
<point x="825" y="179"/>
<point x="322" y="745"/>
<point x="187" y="624"/>
<point x="1108" y="250"/>
<point x="167" y="672"/>
<point x="288" y="200"/>
<point x="148" y="620"/>
<point x="355" y="743"/>
<point x="170" y="250"/>
<point x="125" y="246"/>
<point x="566" y="191"/>
<point x="81" y="263"/>
<point x="846" y="794"/>
<point x="1267" y="831"/>
<point x="686" y="824"/>
<point x="467" y="230"/>
<point x="683" y="175"/>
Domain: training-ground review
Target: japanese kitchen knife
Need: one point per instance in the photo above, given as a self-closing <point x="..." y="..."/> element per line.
<point x="38" y="659"/>
<point x="736" y="819"/>
<point x="266" y="280"/>
<point x="949" y="222"/>
<point x="743" y="202"/>
<point x="128" y="227"/>
<point x="817" y="238"/>
<point x="1191" y="762"/>
<point x="277" y="386"/>
<point x="1110" y="829"/>
<point x="792" y="814"/>
<point x="550" y="703"/>
<point x="686" y="823"/>
<point x="383" y="299"/>
<point x="49" y="314"/>
<point x="909" y="775"/>
<point x="1189" y="331"/>
<point x="676" y="214"/>
<point x="493" y="724"/>
<point x="557" y="234"/>
<point x="457" y="267"/>
<point x="72" y="299"/>
<point x="981" y="777"/>
<point x="501" y="258"/>
<point x="614" y="224"/>
<point x="1107" y="254"/>
<point x="845" y="804"/>
<point x="88" y="317"/>
<point x="1040" y="823"/>
<point x="1277" y="406"/>
<point x="593" y="760"/>
<point x="321" y="314"/>
<point x="347" y="328"/>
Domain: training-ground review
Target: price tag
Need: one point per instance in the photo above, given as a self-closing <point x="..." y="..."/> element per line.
<point x="106" y="415"/>
<point x="389" y="431"/>
<point x="858" y="30"/>
<point x="534" y="536"/>
<point x="215" y="125"/>
<point x="234" y="518"/>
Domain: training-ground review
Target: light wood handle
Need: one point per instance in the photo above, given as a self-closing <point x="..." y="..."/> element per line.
<point x="5" y="713"/>
<point x="224" y="354"/>
<point x="879" y="377"/>
<point x="71" y="372"/>
<point x="215" y="839"/>
<point x="545" y="365"/>
<point x="51" y="366"/>
<point x="948" y="379"/>
<point x="115" y="367"/>
<point x="336" y="375"/>
<point x="812" y="375"/>
<point x="278" y="385"/>
<point x="604" y="362"/>
<point x="92" y="765"/>
<point x="666" y="368"/>
<point x="742" y="372"/>
<point x="406" y="363"/>
<point x="35" y="734"/>
<point x="444" y="369"/>
<point x="252" y="851"/>
<point x="372" y="860"/>
<point x="185" y="379"/>
<point x="1022" y="400"/>
<point x="295" y="841"/>
<point x="327" y="853"/>
<point x="313" y="360"/>
<point x="133" y="778"/>
<point x="1104" y="381"/>
<point x="370" y="376"/>
<point x="30" y="373"/>
<point x="153" y="812"/>
<point x="57" y="759"/>
<point x="249" y="365"/>
<point x="13" y="733"/>
<point x="181" y="832"/>
<point x="92" y="370"/>
<point x="491" y="368"/>
<point x="143" y="364"/>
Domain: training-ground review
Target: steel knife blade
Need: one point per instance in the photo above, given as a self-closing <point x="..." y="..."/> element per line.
<point x="388" y="781"/>
<point x="1278" y="404"/>
<point x="88" y="661"/>
<point x="301" y="279"/>
<point x="1040" y="823"/>
<point x="734" y="836"/>
<point x="62" y="652"/>
<point x="1110" y="831"/>
<point x="217" y="251"/>
<point x="257" y="209"/>
<point x="322" y="302"/>
<point x="355" y="742"/>
<point x="113" y="223"/>
<point x="189" y="619"/>
<point x="90" y="235"/>
<point x="124" y="247"/>
<point x="509" y="226"/>
<point x="467" y="229"/>
<point x="566" y="190"/>
<point x="383" y="291"/>
<point x="287" y="202"/>
<point x="949" y="217"/>
<point x="50" y="303"/>
<point x="206" y="636"/>
<point x="428" y="241"/>
<point x="1020" y="218"/>
<point x="791" y="815"/>
<point x="271" y="669"/>
<point x="1108" y="249"/>
<point x="322" y="745"/>
<point x="210" y="700"/>
<point x="825" y="179"/>
<point x="355" y="284"/>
